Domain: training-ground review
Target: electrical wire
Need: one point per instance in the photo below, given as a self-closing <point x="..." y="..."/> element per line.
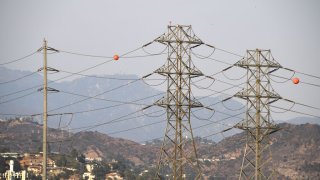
<point x="230" y="96"/>
<point x="210" y="76"/>
<point x="303" y="73"/>
<point x="104" y="77"/>
<point x="134" y="128"/>
<point x="310" y="75"/>
<point x="286" y="110"/>
<point x="148" y="55"/>
<point x="16" y="92"/>
<point x="161" y="52"/>
<point x="116" y="120"/>
<point x="119" y="119"/>
<point x="19" y="78"/>
<point x="225" y="130"/>
<point x="19" y="59"/>
<point x="61" y="114"/>
<point x="215" y="78"/>
<point x="143" y="80"/>
<point x="283" y="99"/>
<point x="86" y="55"/>
<point x="232" y="86"/>
<point x="67" y="77"/>
<point x="311" y="84"/>
<point x="220" y="92"/>
<point x="198" y="127"/>
<point x="229" y="52"/>
<point x="313" y="107"/>
<point x="295" y="111"/>
<point x="203" y="57"/>
<point x="200" y="87"/>
<point x="109" y="57"/>
<point x="13" y="99"/>
<point x="220" y="120"/>
<point x="12" y="114"/>
<point x="287" y="79"/>
<point x="210" y="58"/>
<point x="86" y="69"/>
<point x="301" y="104"/>
<point x="203" y="119"/>
<point x="222" y="102"/>
<point x="116" y="105"/>
<point x="236" y="79"/>
<point x="108" y="100"/>
<point x="130" y="118"/>
<point x="152" y="116"/>
<point x="91" y="110"/>
<point x="87" y="98"/>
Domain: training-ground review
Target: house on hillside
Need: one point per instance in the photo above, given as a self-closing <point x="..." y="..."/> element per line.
<point x="33" y="163"/>
<point x="10" y="154"/>
<point x="88" y="174"/>
<point x="114" y="176"/>
<point x="92" y="155"/>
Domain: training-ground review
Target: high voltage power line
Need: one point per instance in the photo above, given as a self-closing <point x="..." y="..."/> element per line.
<point x="130" y="118"/>
<point x="81" y="71"/>
<point x="88" y="97"/>
<point x="19" y="78"/>
<point x="19" y="59"/>
<point x="152" y="79"/>
<point x="236" y="54"/>
<point x="130" y="102"/>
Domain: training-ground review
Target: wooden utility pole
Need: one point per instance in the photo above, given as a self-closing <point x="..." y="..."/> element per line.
<point x="45" y="113"/>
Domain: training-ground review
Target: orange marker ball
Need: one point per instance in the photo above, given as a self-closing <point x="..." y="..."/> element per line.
<point x="116" y="57"/>
<point x="295" y="80"/>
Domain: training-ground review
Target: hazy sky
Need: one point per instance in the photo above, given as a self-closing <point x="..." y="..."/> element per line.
<point x="289" y="28"/>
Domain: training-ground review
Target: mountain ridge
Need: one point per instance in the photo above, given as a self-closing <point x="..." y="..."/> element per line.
<point x="295" y="148"/>
<point x="103" y="111"/>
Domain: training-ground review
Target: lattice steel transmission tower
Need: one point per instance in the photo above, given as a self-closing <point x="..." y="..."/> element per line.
<point x="178" y="155"/>
<point x="258" y="124"/>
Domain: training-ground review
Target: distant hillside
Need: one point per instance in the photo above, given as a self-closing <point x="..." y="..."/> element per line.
<point x="100" y="111"/>
<point x="295" y="152"/>
<point x="26" y="136"/>
<point x="295" y="148"/>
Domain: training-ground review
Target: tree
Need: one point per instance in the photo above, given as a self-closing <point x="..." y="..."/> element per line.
<point x="4" y="149"/>
<point x="16" y="165"/>
<point x="74" y="153"/>
<point x="2" y="165"/>
<point x="82" y="159"/>
<point x="62" y="161"/>
<point x="33" y="176"/>
<point x="100" y="170"/>
<point x="129" y="174"/>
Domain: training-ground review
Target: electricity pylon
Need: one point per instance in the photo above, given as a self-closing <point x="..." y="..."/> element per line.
<point x="178" y="156"/>
<point x="258" y="124"/>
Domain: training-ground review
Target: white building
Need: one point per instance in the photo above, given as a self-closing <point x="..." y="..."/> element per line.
<point x="10" y="174"/>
